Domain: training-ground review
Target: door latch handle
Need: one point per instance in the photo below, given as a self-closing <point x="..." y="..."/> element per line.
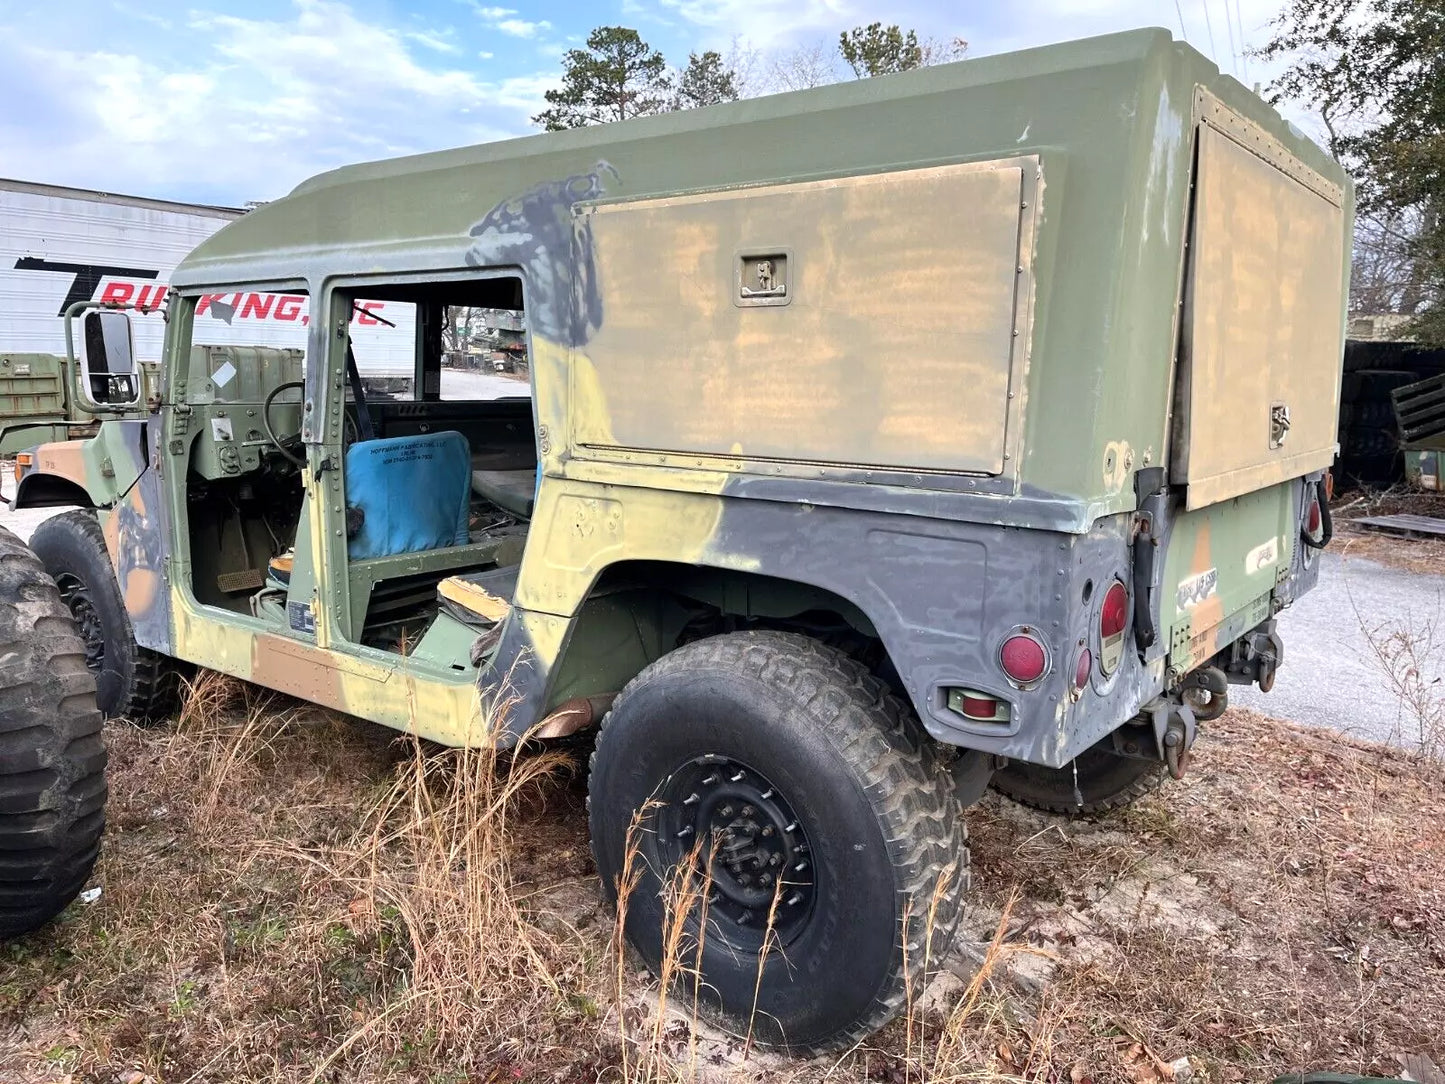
<point x="1278" y="424"/>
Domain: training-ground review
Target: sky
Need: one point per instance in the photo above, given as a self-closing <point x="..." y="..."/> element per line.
<point x="231" y="103"/>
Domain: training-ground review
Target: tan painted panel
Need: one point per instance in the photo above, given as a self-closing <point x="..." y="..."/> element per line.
<point x="893" y="347"/>
<point x="1264" y="326"/>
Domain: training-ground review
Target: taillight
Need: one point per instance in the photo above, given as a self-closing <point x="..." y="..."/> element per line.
<point x="978" y="707"/>
<point x="1082" y="668"/>
<point x="1113" y="620"/>
<point x="1314" y="519"/>
<point x="1023" y="658"/>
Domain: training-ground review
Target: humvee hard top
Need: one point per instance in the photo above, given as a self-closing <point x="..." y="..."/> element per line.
<point x="878" y="442"/>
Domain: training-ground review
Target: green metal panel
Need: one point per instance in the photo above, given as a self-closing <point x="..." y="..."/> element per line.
<point x="1110" y="118"/>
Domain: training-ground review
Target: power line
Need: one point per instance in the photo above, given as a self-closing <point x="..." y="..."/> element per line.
<point x="1243" y="49"/>
<point x="1209" y="26"/>
<point x="1180" y="12"/>
<point x="1229" y="28"/>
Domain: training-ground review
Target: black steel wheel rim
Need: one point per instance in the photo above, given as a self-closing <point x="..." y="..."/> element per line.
<point x="76" y="597"/>
<point x="730" y="822"/>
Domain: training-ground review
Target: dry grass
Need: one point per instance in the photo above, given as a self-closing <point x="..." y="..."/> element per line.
<point x="290" y="896"/>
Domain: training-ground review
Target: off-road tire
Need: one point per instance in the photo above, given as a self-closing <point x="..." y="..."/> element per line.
<point x="1106" y="781"/>
<point x="875" y="802"/>
<point x="131" y="681"/>
<point x="52" y="756"/>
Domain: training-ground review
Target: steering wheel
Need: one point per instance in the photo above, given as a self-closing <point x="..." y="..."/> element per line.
<point x="300" y="461"/>
<point x="349" y="436"/>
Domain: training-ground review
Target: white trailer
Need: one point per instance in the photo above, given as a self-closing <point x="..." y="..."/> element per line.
<point x="62" y="245"/>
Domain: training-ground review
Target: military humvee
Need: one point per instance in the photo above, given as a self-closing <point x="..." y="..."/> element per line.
<point x="882" y="442"/>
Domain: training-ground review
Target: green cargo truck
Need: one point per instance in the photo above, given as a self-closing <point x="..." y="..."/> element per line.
<point x="885" y="441"/>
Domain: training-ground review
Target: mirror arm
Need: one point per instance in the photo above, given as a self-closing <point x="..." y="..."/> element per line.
<point x="76" y="376"/>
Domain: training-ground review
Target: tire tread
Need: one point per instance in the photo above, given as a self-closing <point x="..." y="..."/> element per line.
<point x="903" y="773"/>
<point x="52" y="757"/>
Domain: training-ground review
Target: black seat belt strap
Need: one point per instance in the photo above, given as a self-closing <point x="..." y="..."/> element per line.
<point x="363" y="413"/>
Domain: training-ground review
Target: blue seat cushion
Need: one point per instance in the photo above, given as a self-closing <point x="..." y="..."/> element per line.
<point x="413" y="493"/>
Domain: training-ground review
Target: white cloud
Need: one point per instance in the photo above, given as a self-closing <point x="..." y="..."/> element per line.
<point x="768" y="25"/>
<point x="257" y="106"/>
<point x="491" y="15"/>
<point x="521" y="28"/>
<point x="441" y="43"/>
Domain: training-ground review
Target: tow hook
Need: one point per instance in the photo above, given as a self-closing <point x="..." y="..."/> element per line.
<point x="1209" y="680"/>
<point x="1174" y="729"/>
<point x="1176" y="753"/>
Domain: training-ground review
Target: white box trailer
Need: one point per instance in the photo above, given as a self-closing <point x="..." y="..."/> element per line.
<point x="62" y="245"/>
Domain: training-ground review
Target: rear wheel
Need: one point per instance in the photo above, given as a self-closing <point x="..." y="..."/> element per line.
<point x="785" y="778"/>
<point x="1104" y="780"/>
<point x="131" y="680"/>
<point x="52" y="757"/>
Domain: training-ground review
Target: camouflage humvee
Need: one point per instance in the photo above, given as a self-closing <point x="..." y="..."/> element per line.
<point x="881" y="442"/>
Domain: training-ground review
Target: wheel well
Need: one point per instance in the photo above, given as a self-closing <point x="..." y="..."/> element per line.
<point x="638" y="611"/>
<point x="50" y="491"/>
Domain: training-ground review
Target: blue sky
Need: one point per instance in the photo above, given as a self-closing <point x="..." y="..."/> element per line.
<point x="236" y="102"/>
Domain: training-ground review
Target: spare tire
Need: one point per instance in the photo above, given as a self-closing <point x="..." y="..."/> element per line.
<point x="52" y="756"/>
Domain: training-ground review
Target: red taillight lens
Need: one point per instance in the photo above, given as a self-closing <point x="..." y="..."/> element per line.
<point x="978" y="707"/>
<point x="1082" y="668"/>
<point x="1114" y="615"/>
<point x="1023" y="658"/>
<point x="1314" y="520"/>
<point x="1113" y="620"/>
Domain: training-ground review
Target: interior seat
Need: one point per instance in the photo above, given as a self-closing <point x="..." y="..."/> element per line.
<point x="514" y="491"/>
<point x="409" y="493"/>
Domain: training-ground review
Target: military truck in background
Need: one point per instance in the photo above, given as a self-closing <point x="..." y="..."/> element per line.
<point x="857" y="475"/>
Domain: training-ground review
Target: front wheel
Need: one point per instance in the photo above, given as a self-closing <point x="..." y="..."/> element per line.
<point x="1097" y="780"/>
<point x="131" y="680"/>
<point x="821" y="830"/>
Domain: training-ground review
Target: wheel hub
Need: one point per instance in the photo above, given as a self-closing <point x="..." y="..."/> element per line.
<point x="761" y="870"/>
<point x="76" y="597"/>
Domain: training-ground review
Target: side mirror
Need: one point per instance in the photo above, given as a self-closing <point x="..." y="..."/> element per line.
<point x="107" y="376"/>
<point x="108" y="368"/>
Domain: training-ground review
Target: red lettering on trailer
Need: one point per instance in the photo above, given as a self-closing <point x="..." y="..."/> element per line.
<point x="363" y="313"/>
<point x="151" y="297"/>
<point x="288" y="307"/>
<point x="205" y="303"/>
<point x="258" y="305"/>
<point x="118" y="292"/>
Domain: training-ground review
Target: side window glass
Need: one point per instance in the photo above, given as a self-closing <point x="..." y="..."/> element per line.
<point x="245" y="343"/>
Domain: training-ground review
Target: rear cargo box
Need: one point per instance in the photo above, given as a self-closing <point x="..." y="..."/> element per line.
<point x="1257" y="393"/>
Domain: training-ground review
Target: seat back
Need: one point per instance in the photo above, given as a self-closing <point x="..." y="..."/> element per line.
<point x="413" y="493"/>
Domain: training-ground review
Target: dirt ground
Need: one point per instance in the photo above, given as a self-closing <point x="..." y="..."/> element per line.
<point x="289" y="895"/>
